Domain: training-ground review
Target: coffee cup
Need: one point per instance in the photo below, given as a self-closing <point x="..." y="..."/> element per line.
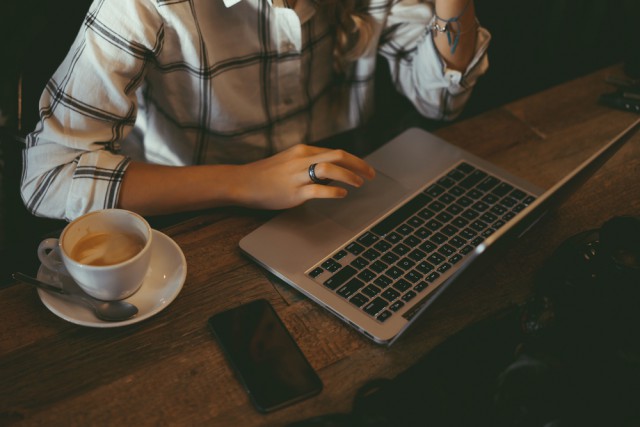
<point x="106" y="252"/>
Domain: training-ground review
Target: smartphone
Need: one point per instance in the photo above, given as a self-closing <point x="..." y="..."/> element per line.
<point x="264" y="356"/>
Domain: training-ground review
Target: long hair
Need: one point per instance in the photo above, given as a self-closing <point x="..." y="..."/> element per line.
<point x="354" y="28"/>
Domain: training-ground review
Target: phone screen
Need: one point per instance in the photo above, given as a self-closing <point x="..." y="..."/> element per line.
<point x="267" y="360"/>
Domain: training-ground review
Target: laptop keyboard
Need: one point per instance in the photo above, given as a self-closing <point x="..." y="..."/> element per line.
<point x="401" y="256"/>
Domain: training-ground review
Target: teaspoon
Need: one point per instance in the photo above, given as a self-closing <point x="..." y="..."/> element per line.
<point x="110" y="311"/>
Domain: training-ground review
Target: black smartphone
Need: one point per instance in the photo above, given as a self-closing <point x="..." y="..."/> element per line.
<point x="264" y="355"/>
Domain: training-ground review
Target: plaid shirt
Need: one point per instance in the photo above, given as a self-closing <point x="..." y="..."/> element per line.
<point x="182" y="82"/>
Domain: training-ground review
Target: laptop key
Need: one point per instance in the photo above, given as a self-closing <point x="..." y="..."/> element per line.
<point x="401" y="249"/>
<point x="475" y="177"/>
<point x="393" y="237"/>
<point x="439" y="238"/>
<point x="465" y="167"/>
<point x="331" y="265"/>
<point x="401" y="285"/>
<point x="434" y="225"/>
<point x="390" y="294"/>
<point x="375" y="306"/>
<point x="405" y="263"/>
<point x="366" y="275"/>
<point x="428" y="246"/>
<point x="400" y="215"/>
<point x="455" y="259"/>
<point x="488" y="183"/>
<point x="371" y="254"/>
<point x="466" y="249"/>
<point x="350" y="288"/>
<point x="446" y="182"/>
<point x="420" y="286"/>
<point x="371" y="290"/>
<point x="340" y="254"/>
<point x="415" y="222"/>
<point x="475" y="194"/>
<point x="446" y="198"/>
<point x="434" y="190"/>
<point x="444" y="217"/>
<point x="412" y="241"/>
<point x="436" y="258"/>
<point x="390" y="257"/>
<point x="354" y="248"/>
<point x="394" y="272"/>
<point x="384" y="316"/>
<point x="502" y="189"/>
<point x="437" y="206"/>
<point x="340" y="277"/>
<point x="409" y="296"/>
<point x="518" y="194"/>
<point x="490" y="198"/>
<point x="456" y="174"/>
<point x="425" y="267"/>
<point x="316" y="272"/>
<point x="383" y="281"/>
<point x="443" y="267"/>
<point x="382" y="246"/>
<point x="404" y="229"/>
<point x="396" y="306"/>
<point x="417" y="255"/>
<point x="413" y="276"/>
<point x="433" y="277"/>
<point x="378" y="266"/>
<point x="359" y="300"/>
<point x="359" y="263"/>
<point x="457" y="191"/>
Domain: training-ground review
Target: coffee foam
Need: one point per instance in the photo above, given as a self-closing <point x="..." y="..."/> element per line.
<point x="106" y="248"/>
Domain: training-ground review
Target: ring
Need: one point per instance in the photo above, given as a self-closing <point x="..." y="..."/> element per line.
<point x="314" y="178"/>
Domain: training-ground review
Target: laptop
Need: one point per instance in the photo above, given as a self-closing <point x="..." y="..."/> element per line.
<point x="379" y="257"/>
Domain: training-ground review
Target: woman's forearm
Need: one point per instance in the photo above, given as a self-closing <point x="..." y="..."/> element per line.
<point x="155" y="189"/>
<point x="457" y="44"/>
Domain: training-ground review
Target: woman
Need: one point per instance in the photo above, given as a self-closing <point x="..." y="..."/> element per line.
<point x="175" y="105"/>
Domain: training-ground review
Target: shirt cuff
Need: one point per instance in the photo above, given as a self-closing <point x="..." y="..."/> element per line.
<point x="96" y="182"/>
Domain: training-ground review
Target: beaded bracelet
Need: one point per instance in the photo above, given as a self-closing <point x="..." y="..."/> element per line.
<point x="446" y="28"/>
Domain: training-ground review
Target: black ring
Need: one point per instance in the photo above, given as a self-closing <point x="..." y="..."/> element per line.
<point x="314" y="178"/>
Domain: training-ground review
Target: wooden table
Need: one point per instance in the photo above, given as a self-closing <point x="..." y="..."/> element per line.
<point x="168" y="370"/>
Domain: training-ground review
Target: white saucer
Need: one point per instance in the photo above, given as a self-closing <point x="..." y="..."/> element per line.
<point x="160" y="287"/>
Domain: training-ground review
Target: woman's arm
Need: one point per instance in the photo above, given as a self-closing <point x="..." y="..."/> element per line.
<point x="458" y="46"/>
<point x="429" y="68"/>
<point x="278" y="182"/>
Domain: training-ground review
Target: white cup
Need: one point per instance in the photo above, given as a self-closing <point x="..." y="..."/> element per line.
<point x="106" y="252"/>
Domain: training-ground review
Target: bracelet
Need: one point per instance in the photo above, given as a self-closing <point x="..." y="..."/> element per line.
<point x="446" y="28"/>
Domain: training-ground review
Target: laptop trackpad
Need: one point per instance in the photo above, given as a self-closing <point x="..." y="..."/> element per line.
<point x="362" y="205"/>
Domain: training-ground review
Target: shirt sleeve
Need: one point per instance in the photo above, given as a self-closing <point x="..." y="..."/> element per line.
<point x="71" y="163"/>
<point x="417" y="69"/>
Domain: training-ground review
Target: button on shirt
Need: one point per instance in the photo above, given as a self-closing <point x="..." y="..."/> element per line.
<point x="188" y="82"/>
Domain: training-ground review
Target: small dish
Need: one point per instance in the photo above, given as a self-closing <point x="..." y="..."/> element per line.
<point x="161" y="285"/>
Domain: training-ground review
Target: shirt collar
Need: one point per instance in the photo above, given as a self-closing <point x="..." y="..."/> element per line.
<point x="305" y="9"/>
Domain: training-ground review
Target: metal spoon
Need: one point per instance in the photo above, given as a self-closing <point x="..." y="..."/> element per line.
<point x="110" y="311"/>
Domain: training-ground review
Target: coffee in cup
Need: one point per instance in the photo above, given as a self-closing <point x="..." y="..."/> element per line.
<point x="106" y="252"/>
<point x="104" y="248"/>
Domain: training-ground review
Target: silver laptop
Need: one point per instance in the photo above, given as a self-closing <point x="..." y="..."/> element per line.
<point x="379" y="257"/>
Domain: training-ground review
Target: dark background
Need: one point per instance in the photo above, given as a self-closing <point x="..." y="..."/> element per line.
<point x="535" y="45"/>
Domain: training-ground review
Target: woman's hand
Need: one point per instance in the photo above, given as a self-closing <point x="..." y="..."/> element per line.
<point x="282" y="181"/>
